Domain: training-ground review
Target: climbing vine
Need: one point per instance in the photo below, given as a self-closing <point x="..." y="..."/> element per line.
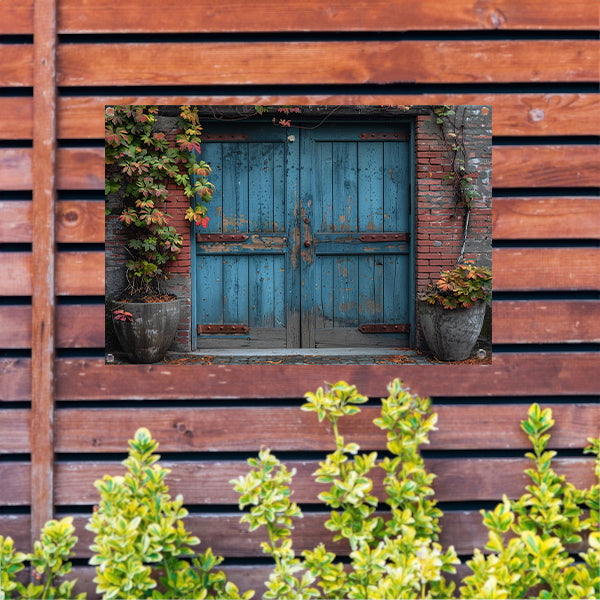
<point x="140" y="160"/>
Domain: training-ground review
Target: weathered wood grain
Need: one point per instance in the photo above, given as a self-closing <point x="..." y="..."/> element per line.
<point x="531" y="374"/>
<point x="16" y="68"/>
<point x="15" y="169"/>
<point x="551" y="321"/>
<point x="554" y="166"/>
<point x="43" y="298"/>
<point x="290" y="429"/>
<point x="208" y="482"/>
<point x="15" y="432"/>
<point x="513" y="166"/>
<point x="272" y="63"/>
<point x="16" y="483"/>
<point x="16" y="224"/>
<point x="75" y="220"/>
<point x="539" y="218"/>
<point x="80" y="169"/>
<point x="546" y="269"/>
<point x="17" y="118"/>
<point x="515" y="269"/>
<point x="77" y="274"/>
<point x="294" y="15"/>
<point x="109" y="16"/>
<point x="229" y="538"/>
<point x="77" y="326"/>
<point x="546" y="321"/>
<point x="513" y="114"/>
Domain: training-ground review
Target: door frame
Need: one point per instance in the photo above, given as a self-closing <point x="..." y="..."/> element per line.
<point x="292" y="194"/>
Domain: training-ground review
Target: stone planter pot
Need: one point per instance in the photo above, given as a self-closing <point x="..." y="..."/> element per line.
<point x="451" y="334"/>
<point x="147" y="338"/>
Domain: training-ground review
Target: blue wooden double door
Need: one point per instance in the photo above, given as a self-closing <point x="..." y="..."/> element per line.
<point x="309" y="241"/>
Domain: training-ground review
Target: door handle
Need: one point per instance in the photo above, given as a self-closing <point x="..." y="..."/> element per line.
<point x="307" y="243"/>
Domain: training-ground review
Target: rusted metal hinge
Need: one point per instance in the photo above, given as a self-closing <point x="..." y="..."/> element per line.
<point x="384" y="237"/>
<point x="385" y="328"/>
<point x="222" y="328"/>
<point x="385" y="135"/>
<point x="221" y="237"/>
<point x="223" y="137"/>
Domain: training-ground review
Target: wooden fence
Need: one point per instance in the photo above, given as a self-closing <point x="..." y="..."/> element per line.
<point x="65" y="416"/>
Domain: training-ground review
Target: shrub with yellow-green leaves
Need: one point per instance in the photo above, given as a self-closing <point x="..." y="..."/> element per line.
<point x="50" y="563"/>
<point x="527" y="553"/>
<point x="141" y="548"/>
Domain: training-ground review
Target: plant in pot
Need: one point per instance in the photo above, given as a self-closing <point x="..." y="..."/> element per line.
<point x="140" y="160"/>
<point x="451" y="310"/>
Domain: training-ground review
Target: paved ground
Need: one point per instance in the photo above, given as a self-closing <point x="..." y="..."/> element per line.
<point x="323" y="356"/>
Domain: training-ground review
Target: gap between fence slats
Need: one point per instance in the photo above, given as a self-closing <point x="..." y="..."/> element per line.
<point x="551" y="321"/>
<point x="277" y="63"/>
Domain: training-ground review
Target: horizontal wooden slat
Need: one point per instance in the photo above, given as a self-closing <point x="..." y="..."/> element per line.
<point x="16" y="67"/>
<point x="77" y="326"/>
<point x="15" y="169"/>
<point x="546" y="269"/>
<point x="15" y="432"/>
<point x="546" y="166"/>
<point x="534" y="322"/>
<point x="16" y="488"/>
<point x="513" y="166"/>
<point x="515" y="269"/>
<point x="373" y="15"/>
<point x="531" y="374"/>
<point x="229" y="538"/>
<point x="546" y="321"/>
<point x="77" y="168"/>
<point x="77" y="274"/>
<point x="76" y="221"/>
<point x="235" y="63"/>
<point x="513" y="114"/>
<point x="16" y="224"/>
<point x="546" y="218"/>
<point x="110" y="16"/>
<point x="208" y="482"/>
<point x="290" y="429"/>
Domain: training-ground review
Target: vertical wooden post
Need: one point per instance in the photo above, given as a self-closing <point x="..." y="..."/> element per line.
<point x="43" y="300"/>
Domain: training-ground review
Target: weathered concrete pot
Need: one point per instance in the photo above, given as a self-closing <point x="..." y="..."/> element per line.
<point x="147" y="338"/>
<point x="451" y="334"/>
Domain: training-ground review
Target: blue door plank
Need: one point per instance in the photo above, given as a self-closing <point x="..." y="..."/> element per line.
<point x="370" y="186"/>
<point x="396" y="181"/>
<point x="209" y="289"/>
<point x="235" y="187"/>
<point x="345" y="186"/>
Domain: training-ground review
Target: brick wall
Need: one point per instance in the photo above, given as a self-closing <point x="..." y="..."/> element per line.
<point x="439" y="221"/>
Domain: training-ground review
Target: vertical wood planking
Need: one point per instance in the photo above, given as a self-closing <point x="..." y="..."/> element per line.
<point x="43" y="294"/>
